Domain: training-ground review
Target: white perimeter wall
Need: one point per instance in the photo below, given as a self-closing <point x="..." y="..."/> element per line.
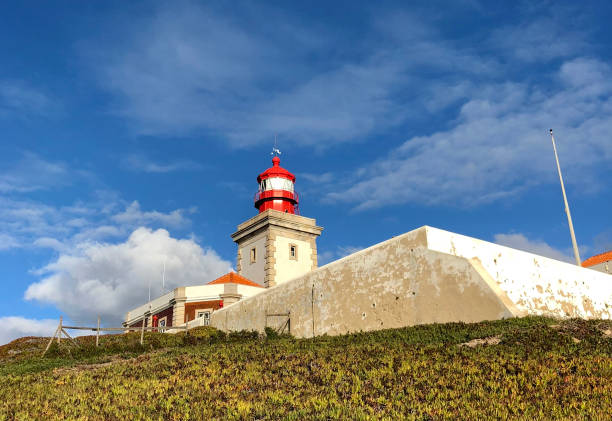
<point x="535" y="284"/>
<point x="424" y="276"/>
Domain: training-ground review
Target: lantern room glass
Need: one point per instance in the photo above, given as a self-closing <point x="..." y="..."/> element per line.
<point x="276" y="183"/>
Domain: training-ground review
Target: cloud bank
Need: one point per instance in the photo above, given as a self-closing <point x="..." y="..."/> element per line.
<point x="478" y="115"/>
<point x="190" y="70"/>
<point x="17" y="327"/>
<point x="499" y="146"/>
<point x="109" y="279"/>
<point x="521" y="242"/>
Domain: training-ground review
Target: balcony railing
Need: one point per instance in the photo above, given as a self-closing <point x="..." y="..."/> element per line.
<point x="276" y="194"/>
<point x="279" y="194"/>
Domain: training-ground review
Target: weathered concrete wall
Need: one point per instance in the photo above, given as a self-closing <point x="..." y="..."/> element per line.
<point x="535" y="284"/>
<point x="424" y="276"/>
<point x="393" y="284"/>
<point x="605" y="267"/>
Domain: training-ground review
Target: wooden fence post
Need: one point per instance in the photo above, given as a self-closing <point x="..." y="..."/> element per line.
<point x="98" y="332"/>
<point x="70" y="337"/>
<point x="59" y="331"/>
<point x="51" y="340"/>
<point x="142" y="331"/>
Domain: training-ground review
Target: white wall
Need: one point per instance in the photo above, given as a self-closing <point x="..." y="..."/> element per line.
<point x="248" y="291"/>
<point x="285" y="267"/>
<point x="154" y="305"/>
<point x="393" y="284"/>
<point x="198" y="292"/>
<point x="424" y="276"/>
<point x="254" y="271"/>
<point x="535" y="284"/>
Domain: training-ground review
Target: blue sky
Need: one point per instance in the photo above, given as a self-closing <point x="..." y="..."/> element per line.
<point x="132" y="135"/>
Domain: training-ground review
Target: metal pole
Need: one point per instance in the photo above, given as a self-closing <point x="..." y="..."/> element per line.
<point x="98" y="332"/>
<point x="567" y="209"/>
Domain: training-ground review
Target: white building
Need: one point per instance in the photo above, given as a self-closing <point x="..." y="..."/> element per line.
<point x="193" y="304"/>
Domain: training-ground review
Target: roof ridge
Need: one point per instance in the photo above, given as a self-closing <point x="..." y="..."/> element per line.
<point x="233" y="277"/>
<point x="598" y="258"/>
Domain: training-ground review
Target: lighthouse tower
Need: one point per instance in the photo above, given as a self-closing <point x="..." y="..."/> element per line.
<point x="276" y="190"/>
<point x="278" y="244"/>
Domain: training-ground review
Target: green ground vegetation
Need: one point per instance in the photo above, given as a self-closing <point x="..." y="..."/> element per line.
<point x="524" y="368"/>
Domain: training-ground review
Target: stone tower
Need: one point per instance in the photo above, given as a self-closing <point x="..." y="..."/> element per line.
<point x="277" y="244"/>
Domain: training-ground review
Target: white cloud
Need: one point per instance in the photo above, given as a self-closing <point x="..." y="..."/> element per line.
<point x="181" y="70"/>
<point x="29" y="223"/>
<point x="319" y="178"/>
<point x="520" y="242"/>
<point x="133" y="215"/>
<point x="110" y="279"/>
<point x="602" y="241"/>
<point x="50" y="243"/>
<point x="178" y="75"/>
<point x="189" y="70"/>
<point x="14" y="327"/>
<point x="18" y="98"/>
<point x="25" y="221"/>
<point x="326" y="257"/>
<point x="32" y="173"/>
<point x="139" y="163"/>
<point x="499" y="145"/>
<point x="346" y="250"/>
<point x="8" y="242"/>
<point x="539" y="40"/>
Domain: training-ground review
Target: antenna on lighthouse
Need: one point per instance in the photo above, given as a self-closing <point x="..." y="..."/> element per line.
<point x="275" y="150"/>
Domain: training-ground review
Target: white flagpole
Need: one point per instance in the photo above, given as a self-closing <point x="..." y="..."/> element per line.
<point x="164" y="276"/>
<point x="567" y="209"/>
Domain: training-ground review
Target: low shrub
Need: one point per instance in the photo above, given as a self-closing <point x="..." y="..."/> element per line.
<point x="541" y="369"/>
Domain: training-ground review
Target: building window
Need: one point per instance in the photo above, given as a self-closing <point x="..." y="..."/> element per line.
<point x="162" y="324"/>
<point x="205" y="316"/>
<point x="293" y="252"/>
<point x="253" y="255"/>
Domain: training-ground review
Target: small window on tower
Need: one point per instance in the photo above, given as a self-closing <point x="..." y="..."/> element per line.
<point x="253" y="255"/>
<point x="293" y="252"/>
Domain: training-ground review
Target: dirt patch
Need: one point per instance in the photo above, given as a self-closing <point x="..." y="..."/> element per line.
<point x="491" y="340"/>
<point x="580" y="329"/>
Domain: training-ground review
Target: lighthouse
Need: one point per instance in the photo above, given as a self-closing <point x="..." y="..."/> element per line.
<point x="277" y="244"/>
<point x="276" y="190"/>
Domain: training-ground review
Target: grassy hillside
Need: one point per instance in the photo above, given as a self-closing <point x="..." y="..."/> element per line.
<point x="528" y="368"/>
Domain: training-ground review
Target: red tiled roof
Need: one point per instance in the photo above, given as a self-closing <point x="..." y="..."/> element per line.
<point x="597" y="259"/>
<point x="234" y="278"/>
